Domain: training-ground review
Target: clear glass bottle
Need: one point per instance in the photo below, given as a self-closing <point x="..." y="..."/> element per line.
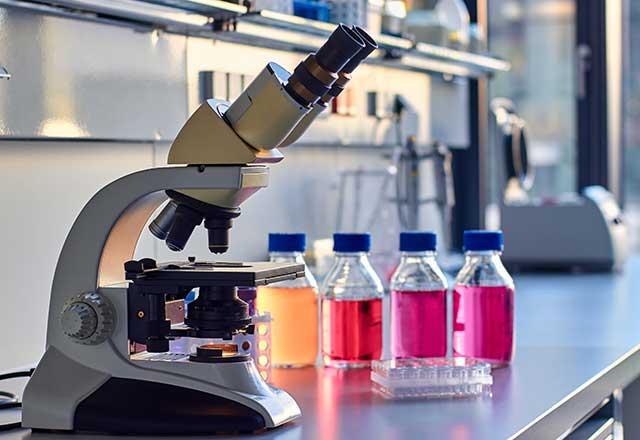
<point x="483" y="302"/>
<point x="293" y="306"/>
<point x="351" y="305"/>
<point x="418" y="300"/>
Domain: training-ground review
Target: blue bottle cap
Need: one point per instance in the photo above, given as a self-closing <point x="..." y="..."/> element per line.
<point x="483" y="241"/>
<point x="417" y="241"/>
<point x="287" y="242"/>
<point x="351" y="242"/>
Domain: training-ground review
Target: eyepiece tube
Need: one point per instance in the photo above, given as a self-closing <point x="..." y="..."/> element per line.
<point x="369" y="46"/>
<point x="336" y="88"/>
<point x="345" y="74"/>
<point x="313" y="77"/>
<point x="339" y="48"/>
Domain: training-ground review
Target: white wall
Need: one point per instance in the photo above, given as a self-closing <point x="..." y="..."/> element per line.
<point x="43" y="186"/>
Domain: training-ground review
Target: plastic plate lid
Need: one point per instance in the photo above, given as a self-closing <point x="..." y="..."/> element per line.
<point x="431" y="378"/>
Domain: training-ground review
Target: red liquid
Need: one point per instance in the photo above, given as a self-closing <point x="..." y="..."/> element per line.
<point x="419" y="323"/>
<point x="483" y="323"/>
<point x="351" y="332"/>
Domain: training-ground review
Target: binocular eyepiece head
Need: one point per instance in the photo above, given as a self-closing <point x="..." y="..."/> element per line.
<point x="177" y="221"/>
<point x="343" y="51"/>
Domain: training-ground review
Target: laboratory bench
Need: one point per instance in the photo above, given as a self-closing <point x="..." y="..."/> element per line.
<point x="577" y="359"/>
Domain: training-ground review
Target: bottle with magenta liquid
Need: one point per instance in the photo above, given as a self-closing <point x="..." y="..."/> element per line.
<point x="418" y="300"/>
<point x="483" y="302"/>
<point x="293" y="306"/>
<point x="351" y="306"/>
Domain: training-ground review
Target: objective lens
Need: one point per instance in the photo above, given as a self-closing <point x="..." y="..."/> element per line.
<point x="314" y="77"/>
<point x="161" y="225"/>
<point x="218" y="230"/>
<point x="184" y="222"/>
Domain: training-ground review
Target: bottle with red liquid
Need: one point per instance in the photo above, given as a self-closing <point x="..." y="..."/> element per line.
<point x="418" y="300"/>
<point x="351" y="306"/>
<point x="483" y="302"/>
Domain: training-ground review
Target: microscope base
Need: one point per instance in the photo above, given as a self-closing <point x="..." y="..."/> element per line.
<point x="127" y="406"/>
<point x="65" y="395"/>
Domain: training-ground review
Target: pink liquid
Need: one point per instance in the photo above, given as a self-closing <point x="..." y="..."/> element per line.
<point x="483" y="323"/>
<point x="351" y="332"/>
<point x="419" y="323"/>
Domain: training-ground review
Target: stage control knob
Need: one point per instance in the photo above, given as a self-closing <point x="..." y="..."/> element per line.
<point x="88" y="319"/>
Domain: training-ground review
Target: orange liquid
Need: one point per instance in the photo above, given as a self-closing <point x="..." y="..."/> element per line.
<point x="294" y="325"/>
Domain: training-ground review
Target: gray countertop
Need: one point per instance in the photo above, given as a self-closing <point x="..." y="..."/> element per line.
<point x="578" y="339"/>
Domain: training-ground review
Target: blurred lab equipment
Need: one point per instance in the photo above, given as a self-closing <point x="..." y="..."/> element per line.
<point x="88" y="380"/>
<point x="447" y="24"/>
<point x="312" y="9"/>
<point x="397" y="196"/>
<point x="293" y="305"/>
<point x="424" y="25"/>
<point x="418" y="300"/>
<point x="454" y="15"/>
<point x="351" y="305"/>
<point x="483" y="302"/>
<point x="281" y="6"/>
<point x="408" y="182"/>
<point x="349" y="11"/>
<point x="581" y="231"/>
<point x="4" y="73"/>
<point x="431" y="378"/>
<point x="398" y="185"/>
<point x="394" y="12"/>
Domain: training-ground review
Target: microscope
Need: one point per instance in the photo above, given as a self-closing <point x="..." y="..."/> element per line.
<point x="103" y="302"/>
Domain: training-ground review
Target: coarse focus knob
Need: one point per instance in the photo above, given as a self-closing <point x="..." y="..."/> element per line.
<point x="79" y="321"/>
<point x="88" y="318"/>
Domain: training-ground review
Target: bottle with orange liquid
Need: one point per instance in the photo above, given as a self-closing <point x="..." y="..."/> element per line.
<point x="293" y="306"/>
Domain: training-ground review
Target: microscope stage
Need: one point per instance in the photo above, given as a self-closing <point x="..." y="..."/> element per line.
<point x="222" y="273"/>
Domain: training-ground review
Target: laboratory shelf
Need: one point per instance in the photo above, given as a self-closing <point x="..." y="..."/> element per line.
<point x="296" y="33"/>
<point x="234" y="23"/>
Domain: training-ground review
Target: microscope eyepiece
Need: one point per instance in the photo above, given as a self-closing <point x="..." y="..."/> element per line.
<point x="313" y="77"/>
<point x="339" y="48"/>
<point x="345" y="74"/>
<point x="369" y="46"/>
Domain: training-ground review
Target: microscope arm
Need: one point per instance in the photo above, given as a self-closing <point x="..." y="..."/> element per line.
<point x="106" y="232"/>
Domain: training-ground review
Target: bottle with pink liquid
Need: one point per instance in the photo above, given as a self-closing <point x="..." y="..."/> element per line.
<point x="351" y="306"/>
<point x="418" y="300"/>
<point x="483" y="302"/>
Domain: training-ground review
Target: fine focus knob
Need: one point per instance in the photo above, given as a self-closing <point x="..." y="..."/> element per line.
<point x="88" y="319"/>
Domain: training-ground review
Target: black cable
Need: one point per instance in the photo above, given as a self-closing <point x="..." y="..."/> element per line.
<point x="10" y="400"/>
<point x="25" y="373"/>
<point x="10" y="426"/>
<point x="7" y="395"/>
